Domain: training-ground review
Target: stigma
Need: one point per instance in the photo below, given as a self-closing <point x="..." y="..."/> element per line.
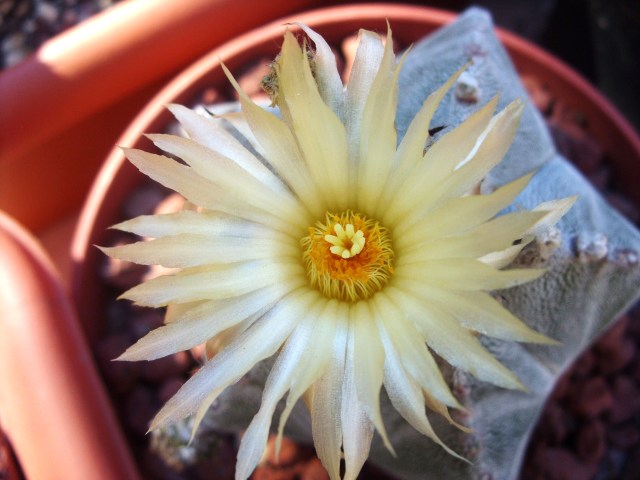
<point x="347" y="242"/>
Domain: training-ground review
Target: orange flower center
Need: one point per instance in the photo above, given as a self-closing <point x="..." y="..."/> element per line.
<point x="348" y="257"/>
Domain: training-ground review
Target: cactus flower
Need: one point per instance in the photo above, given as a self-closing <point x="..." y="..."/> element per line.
<point x="316" y="236"/>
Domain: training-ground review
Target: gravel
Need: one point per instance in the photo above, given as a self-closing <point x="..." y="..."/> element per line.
<point x="26" y="24"/>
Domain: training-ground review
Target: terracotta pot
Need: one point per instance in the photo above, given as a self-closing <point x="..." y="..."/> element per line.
<point x="118" y="178"/>
<point x="53" y="405"/>
<point x="64" y="108"/>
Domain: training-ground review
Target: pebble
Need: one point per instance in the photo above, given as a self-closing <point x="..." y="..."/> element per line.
<point x="561" y="464"/>
<point x="538" y="93"/>
<point x="156" y="371"/>
<point x="169" y="388"/>
<point x="29" y="23"/>
<point x="624" y="436"/>
<point x="121" y="376"/>
<point x="592" y="398"/>
<point x="145" y="320"/>
<point x="314" y="470"/>
<point x="121" y="274"/>
<point x="626" y="395"/>
<point x="139" y="409"/>
<point x="591" y="441"/>
<point x="174" y="202"/>
<point x="143" y="201"/>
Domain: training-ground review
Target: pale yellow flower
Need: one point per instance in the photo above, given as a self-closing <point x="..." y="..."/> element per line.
<point x="318" y="238"/>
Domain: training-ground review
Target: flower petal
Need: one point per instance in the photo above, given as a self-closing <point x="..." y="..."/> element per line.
<point x="411" y="150"/>
<point x="458" y="215"/>
<point x="441" y="159"/>
<point x="326" y="72"/>
<point x="405" y="393"/>
<point x="278" y="382"/>
<point x="463" y="274"/>
<point x="365" y="67"/>
<point x="210" y="132"/>
<point x="192" y="250"/>
<point x="195" y="188"/>
<point x="258" y="342"/>
<point x="457" y="345"/>
<point x="214" y="283"/>
<point x="368" y="364"/>
<point x="237" y="182"/>
<point x="281" y="150"/>
<point x="319" y="132"/>
<point x="415" y="357"/>
<point x="199" y="324"/>
<point x="497" y="234"/>
<point x="378" y="137"/>
<point x="313" y="365"/>
<point x="197" y="223"/>
<point x="480" y="312"/>
<point x="357" y="429"/>
<point x="326" y="395"/>
<point x="432" y="192"/>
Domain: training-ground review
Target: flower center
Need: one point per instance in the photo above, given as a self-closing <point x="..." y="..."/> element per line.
<point x="348" y="257"/>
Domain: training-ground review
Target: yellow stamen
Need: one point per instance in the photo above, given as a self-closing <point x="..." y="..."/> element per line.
<point x="348" y="257"/>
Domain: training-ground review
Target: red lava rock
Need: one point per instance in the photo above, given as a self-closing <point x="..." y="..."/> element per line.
<point x="290" y="452"/>
<point x="600" y="178"/>
<point x="120" y="273"/>
<point x="221" y="465"/>
<point x="624" y="436"/>
<point x="615" y="359"/>
<point x="174" y="202"/>
<point x="590" y="441"/>
<point x="154" y="467"/>
<point x="169" y="388"/>
<point x="592" y="398"/>
<point x="562" y="388"/>
<point x="624" y="206"/>
<point x="635" y="369"/>
<point x="561" y="464"/>
<point x="314" y="470"/>
<point x="630" y="469"/>
<point x="554" y="425"/>
<point x="626" y="396"/>
<point x="199" y="353"/>
<point x="121" y="376"/>
<point x="574" y="143"/>
<point x="143" y="201"/>
<point x="612" y="337"/>
<point x="539" y="94"/>
<point x="139" y="409"/>
<point x="165" y="367"/>
<point x="145" y="320"/>
<point x="634" y="322"/>
<point x="211" y="96"/>
<point x="583" y="365"/>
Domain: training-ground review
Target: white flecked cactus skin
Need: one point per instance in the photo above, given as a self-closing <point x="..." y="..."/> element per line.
<point x="593" y="275"/>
